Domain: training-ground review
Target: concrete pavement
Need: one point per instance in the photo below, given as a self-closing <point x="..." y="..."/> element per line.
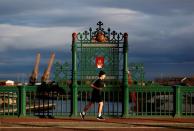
<point x="144" y="124"/>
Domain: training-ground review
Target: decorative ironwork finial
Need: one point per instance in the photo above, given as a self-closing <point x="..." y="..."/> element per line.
<point x="100" y="35"/>
<point x="99" y="26"/>
<point x="85" y="33"/>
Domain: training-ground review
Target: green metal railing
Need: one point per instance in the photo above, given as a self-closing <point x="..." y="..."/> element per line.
<point x="151" y="100"/>
<point x="187" y="101"/>
<point x="9" y="101"/>
<point x="48" y="101"/>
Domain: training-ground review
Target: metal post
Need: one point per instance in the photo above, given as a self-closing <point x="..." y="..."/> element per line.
<point x="125" y="77"/>
<point x="74" y="103"/>
<point x="22" y="108"/>
<point x="178" y="101"/>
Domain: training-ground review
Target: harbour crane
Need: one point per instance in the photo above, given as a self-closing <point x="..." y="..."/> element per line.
<point x="34" y="75"/>
<point x="46" y="74"/>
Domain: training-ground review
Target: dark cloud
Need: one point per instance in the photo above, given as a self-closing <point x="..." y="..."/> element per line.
<point x="42" y="13"/>
<point x="155" y="7"/>
<point x="160" y="31"/>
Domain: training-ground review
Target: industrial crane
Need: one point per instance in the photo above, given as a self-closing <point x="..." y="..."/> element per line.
<point x="46" y="74"/>
<point x="34" y="75"/>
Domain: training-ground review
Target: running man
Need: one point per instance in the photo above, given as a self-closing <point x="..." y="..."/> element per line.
<point x="97" y="96"/>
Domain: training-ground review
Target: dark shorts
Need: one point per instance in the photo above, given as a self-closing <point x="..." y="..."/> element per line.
<point x="97" y="96"/>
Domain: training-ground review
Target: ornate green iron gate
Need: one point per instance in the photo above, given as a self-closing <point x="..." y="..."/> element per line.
<point x="97" y="50"/>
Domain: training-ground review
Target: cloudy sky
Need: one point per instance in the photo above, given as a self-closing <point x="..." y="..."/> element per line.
<point x="161" y="32"/>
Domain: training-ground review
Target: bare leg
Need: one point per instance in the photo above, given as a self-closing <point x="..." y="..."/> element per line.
<point x="100" y="106"/>
<point x="88" y="106"/>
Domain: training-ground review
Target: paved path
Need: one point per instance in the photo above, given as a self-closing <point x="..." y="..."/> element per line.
<point x="91" y="124"/>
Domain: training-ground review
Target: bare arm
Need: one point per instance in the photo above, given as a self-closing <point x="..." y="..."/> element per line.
<point x="93" y="86"/>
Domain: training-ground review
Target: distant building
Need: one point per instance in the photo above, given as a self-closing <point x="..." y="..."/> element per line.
<point x="185" y="81"/>
<point x="7" y="83"/>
